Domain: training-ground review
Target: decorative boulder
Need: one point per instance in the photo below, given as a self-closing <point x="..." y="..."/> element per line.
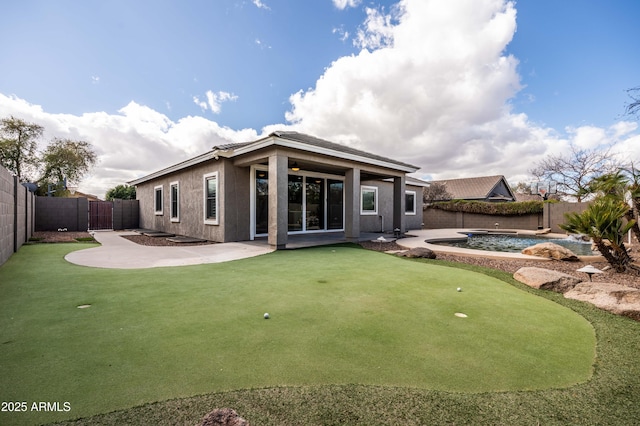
<point x="615" y="298"/>
<point x="551" y="251"/>
<point x="223" y="417"/>
<point x="418" y="252"/>
<point x="545" y="279"/>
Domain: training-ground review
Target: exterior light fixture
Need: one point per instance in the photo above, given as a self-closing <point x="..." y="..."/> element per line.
<point x="589" y="270"/>
<point x="295" y="167"/>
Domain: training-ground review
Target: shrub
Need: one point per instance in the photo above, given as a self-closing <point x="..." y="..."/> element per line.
<point x="518" y="208"/>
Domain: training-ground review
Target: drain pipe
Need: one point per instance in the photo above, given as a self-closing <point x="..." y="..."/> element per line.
<point x="381" y="223"/>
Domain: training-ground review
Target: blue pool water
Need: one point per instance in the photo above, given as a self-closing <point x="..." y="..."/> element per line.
<point x="515" y="243"/>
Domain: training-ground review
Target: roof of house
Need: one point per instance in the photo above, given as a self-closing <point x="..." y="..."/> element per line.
<point x="288" y="139"/>
<point x="475" y="188"/>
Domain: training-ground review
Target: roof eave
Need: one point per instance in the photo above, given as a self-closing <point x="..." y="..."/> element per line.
<point x="287" y="143"/>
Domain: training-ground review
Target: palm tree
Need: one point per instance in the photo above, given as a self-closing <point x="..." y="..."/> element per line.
<point x="624" y="185"/>
<point x="604" y="221"/>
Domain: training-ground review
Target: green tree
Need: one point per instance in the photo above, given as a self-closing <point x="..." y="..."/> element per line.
<point x="121" y="192"/>
<point x="66" y="158"/>
<point x="18" y="144"/>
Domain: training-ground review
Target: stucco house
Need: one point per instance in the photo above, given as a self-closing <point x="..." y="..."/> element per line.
<point x="483" y="188"/>
<point x="283" y="184"/>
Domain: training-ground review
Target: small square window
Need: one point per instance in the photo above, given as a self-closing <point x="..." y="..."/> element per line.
<point x="368" y="200"/>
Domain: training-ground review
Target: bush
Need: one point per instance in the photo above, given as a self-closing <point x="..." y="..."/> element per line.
<point x="518" y="208"/>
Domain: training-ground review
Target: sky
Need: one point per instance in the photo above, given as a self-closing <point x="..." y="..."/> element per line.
<point x="459" y="88"/>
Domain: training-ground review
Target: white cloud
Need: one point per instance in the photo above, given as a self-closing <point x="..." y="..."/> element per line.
<point x="434" y="92"/>
<point x="95" y="79"/>
<point x="344" y="34"/>
<point x="134" y="142"/>
<point x="377" y="30"/>
<point x="343" y="4"/>
<point x="261" y="5"/>
<point x="214" y="100"/>
<point x="431" y="86"/>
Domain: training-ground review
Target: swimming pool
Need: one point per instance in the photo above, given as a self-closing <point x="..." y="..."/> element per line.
<point x="511" y="243"/>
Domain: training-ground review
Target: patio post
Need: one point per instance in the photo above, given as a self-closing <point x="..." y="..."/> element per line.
<point x="352" y="204"/>
<point x="399" y="200"/>
<point x="278" y="200"/>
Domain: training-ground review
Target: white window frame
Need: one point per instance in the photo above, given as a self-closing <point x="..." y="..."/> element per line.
<point x="177" y="217"/>
<point x="158" y="212"/>
<point x="373" y="189"/>
<point x="205" y="178"/>
<point x="411" y="212"/>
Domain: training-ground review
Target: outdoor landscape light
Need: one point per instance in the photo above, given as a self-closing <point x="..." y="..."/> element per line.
<point x="590" y="270"/>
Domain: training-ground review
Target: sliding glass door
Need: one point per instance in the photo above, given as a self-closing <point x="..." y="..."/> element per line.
<point x="315" y="203"/>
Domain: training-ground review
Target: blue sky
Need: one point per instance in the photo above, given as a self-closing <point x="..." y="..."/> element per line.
<point x="459" y="88"/>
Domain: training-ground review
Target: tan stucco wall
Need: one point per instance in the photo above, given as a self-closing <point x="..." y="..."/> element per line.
<point x="383" y="221"/>
<point x="233" y="203"/>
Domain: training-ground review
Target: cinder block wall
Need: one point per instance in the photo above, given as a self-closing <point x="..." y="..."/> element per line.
<point x="552" y="217"/>
<point x="16" y="215"/>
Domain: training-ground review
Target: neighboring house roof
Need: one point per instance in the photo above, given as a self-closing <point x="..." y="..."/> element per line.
<point x="489" y="188"/>
<point x="287" y="139"/>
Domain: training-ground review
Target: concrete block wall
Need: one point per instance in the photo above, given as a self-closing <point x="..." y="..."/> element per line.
<point x="435" y="219"/>
<point x="16" y="215"/>
<point x="552" y="217"/>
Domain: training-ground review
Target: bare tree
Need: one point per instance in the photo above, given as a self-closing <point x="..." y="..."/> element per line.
<point x="633" y="107"/>
<point x="435" y="192"/>
<point x="574" y="171"/>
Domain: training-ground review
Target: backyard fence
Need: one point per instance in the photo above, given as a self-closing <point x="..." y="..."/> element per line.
<point x="551" y="217"/>
<point x="16" y="214"/>
<point x="80" y="214"/>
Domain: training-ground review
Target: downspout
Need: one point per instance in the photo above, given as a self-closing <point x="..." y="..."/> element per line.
<point x="381" y="223"/>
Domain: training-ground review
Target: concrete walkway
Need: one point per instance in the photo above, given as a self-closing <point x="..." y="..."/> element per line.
<point x="119" y="253"/>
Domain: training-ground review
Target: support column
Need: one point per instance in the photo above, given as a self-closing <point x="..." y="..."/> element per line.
<point x="352" y="204"/>
<point x="399" y="200"/>
<point x="278" y="200"/>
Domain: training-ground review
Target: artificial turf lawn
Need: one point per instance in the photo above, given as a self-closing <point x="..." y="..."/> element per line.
<point x="339" y="315"/>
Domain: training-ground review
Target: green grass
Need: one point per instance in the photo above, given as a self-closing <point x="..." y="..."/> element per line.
<point x="355" y="337"/>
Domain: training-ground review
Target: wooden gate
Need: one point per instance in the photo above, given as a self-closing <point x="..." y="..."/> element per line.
<point x="100" y="215"/>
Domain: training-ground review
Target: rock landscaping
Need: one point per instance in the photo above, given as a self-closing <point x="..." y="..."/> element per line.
<point x="546" y="279"/>
<point x="551" y="251"/>
<point x="223" y="417"/>
<point x="616" y="298"/>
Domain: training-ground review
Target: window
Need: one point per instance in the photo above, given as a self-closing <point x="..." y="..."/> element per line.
<point x="410" y="202"/>
<point x="211" y="198"/>
<point x="157" y="195"/>
<point x="368" y="200"/>
<point x="175" y="201"/>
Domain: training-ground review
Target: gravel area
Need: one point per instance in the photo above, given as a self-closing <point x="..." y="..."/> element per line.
<point x="511" y="266"/>
<point x="146" y="240"/>
<point x="58" y="236"/>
